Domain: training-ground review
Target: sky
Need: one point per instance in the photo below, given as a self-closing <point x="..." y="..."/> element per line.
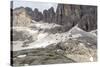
<point x="40" y="5"/>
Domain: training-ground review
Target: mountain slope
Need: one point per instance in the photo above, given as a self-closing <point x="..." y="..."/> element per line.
<point x="45" y="39"/>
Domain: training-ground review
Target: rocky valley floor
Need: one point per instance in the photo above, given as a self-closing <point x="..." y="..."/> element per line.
<point x="42" y="43"/>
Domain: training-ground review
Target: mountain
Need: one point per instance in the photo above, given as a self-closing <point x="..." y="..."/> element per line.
<point x="65" y="36"/>
<point x="83" y="15"/>
<point x="66" y="15"/>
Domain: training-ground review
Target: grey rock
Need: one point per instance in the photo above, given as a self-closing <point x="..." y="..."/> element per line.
<point x="37" y="15"/>
<point x="70" y="15"/>
<point x="21" y="17"/>
<point x="51" y="17"/>
<point x="45" y="15"/>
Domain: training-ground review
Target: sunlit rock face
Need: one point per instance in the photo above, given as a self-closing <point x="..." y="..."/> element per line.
<point x="21" y="17"/>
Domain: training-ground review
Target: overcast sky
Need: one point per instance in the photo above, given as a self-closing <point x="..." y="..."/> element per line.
<point x="40" y="5"/>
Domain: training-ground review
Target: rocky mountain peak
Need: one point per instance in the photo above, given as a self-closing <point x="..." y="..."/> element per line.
<point x="21" y="17"/>
<point x="65" y="15"/>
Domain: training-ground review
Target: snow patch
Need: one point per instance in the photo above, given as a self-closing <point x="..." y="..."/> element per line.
<point x="76" y="35"/>
<point x="81" y="44"/>
<point x="91" y="59"/>
<point x="20" y="56"/>
<point x="77" y="32"/>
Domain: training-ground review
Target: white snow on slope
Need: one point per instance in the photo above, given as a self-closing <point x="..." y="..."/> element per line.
<point x="45" y="39"/>
<point x="49" y="39"/>
<point x="77" y="32"/>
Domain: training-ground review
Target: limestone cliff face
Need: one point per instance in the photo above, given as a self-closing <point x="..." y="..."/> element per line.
<point x="49" y="15"/>
<point x="83" y="15"/>
<point x="65" y="15"/>
<point x="88" y="19"/>
<point x="37" y="15"/>
<point x="21" y="18"/>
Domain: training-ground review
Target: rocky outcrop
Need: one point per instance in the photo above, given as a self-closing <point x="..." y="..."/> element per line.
<point x="45" y="15"/>
<point x="70" y="15"/>
<point x="67" y="15"/>
<point x="49" y="15"/>
<point x="88" y="19"/>
<point x="21" y="17"/>
<point x="24" y="16"/>
<point x="37" y="15"/>
<point x="29" y="11"/>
